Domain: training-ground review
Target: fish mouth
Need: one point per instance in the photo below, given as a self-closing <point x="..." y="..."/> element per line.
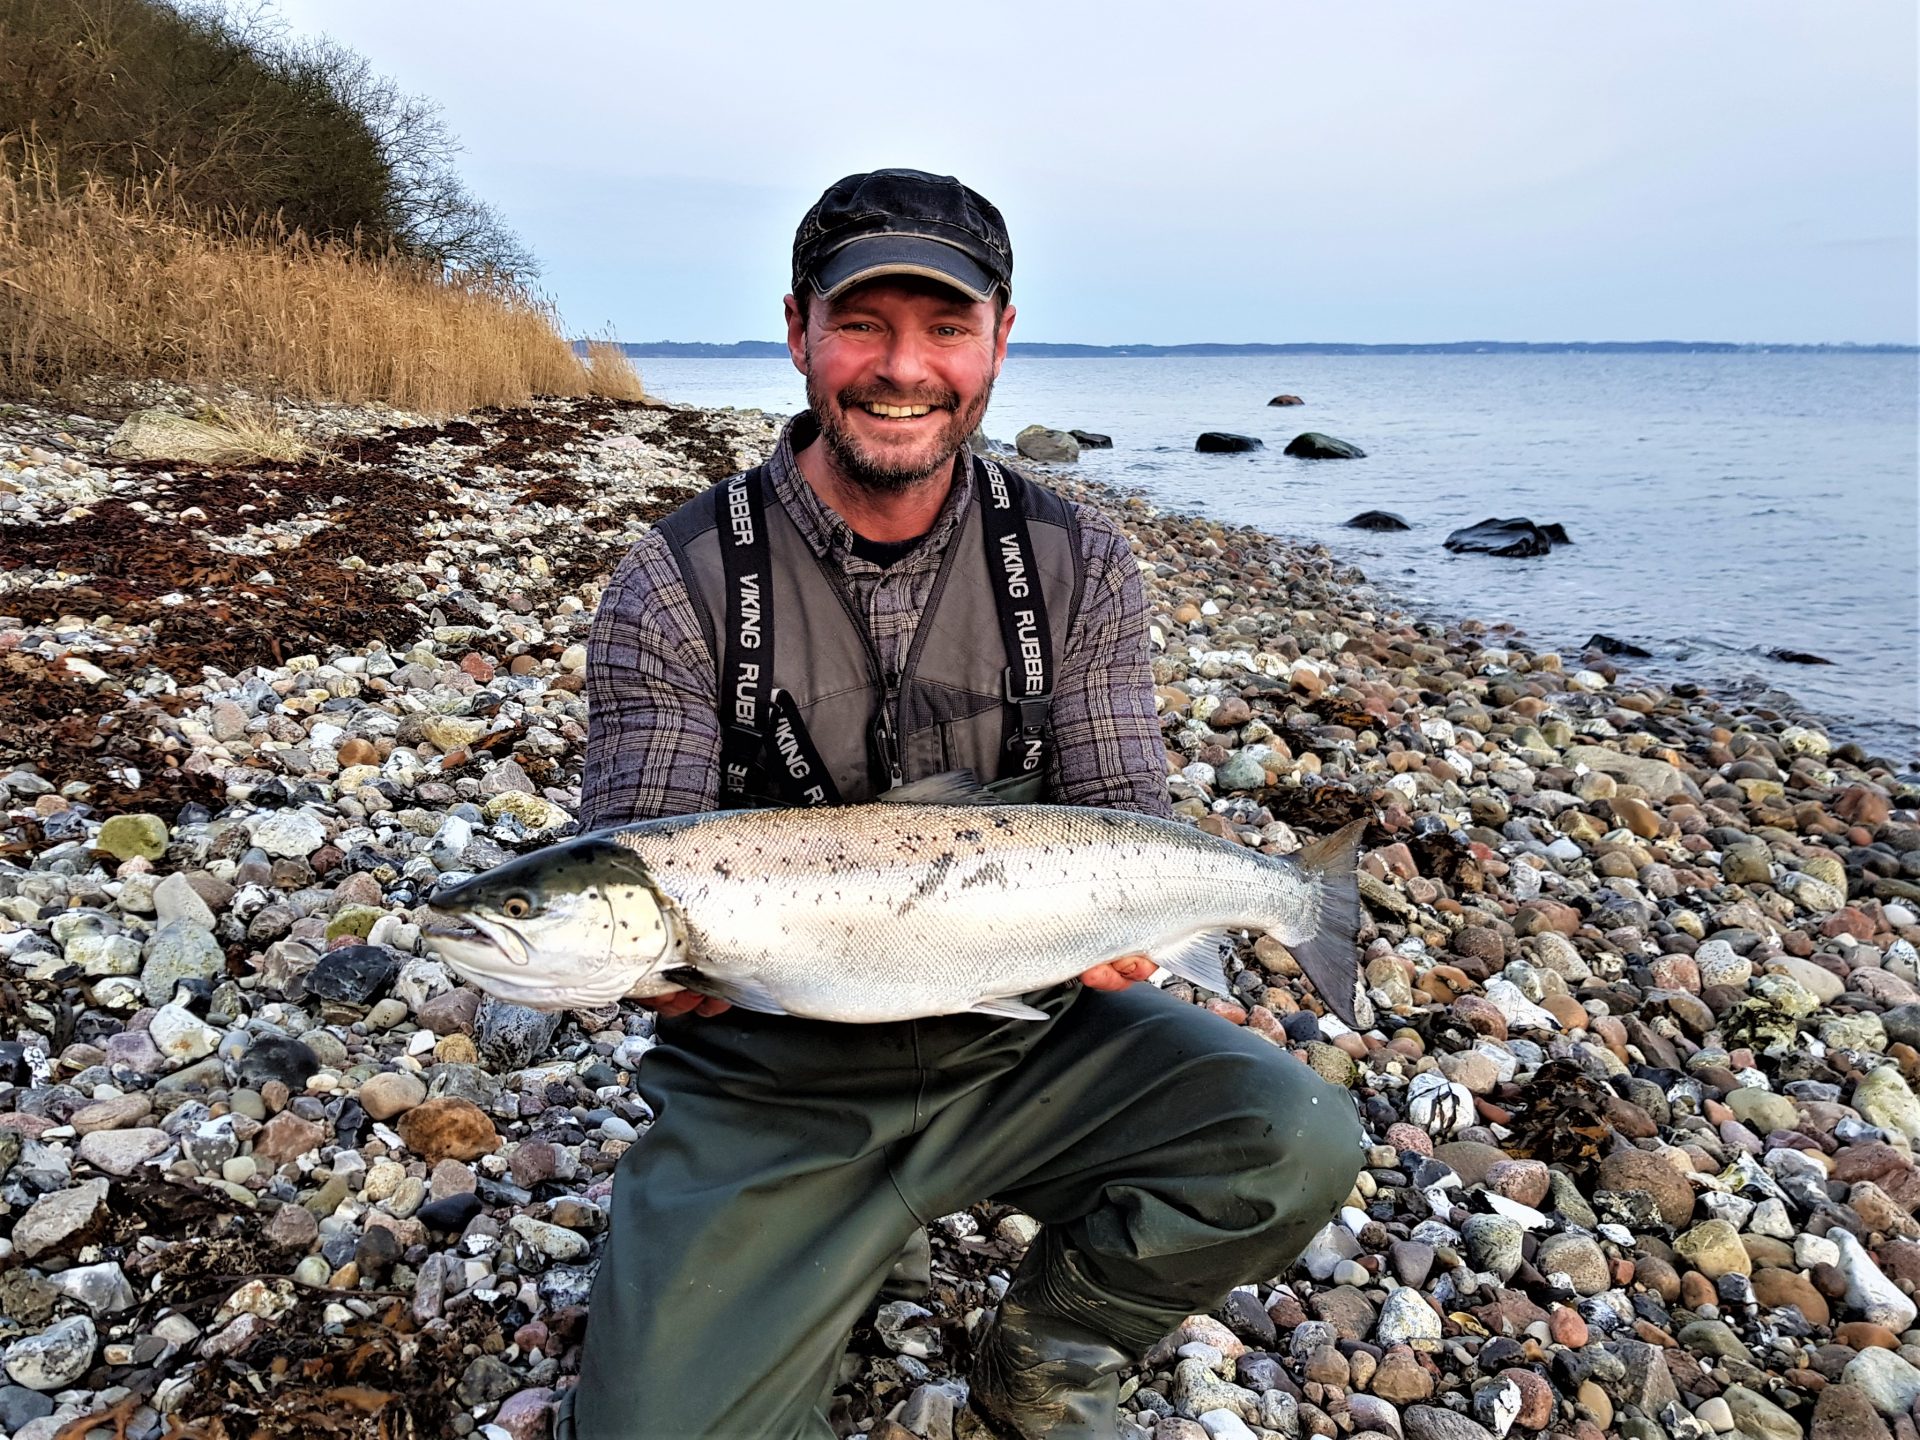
<point x="499" y="961"/>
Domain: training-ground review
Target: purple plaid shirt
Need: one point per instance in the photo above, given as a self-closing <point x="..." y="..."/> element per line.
<point x="653" y="726"/>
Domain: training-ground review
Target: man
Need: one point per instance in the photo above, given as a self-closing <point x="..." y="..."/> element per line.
<point x="873" y="606"/>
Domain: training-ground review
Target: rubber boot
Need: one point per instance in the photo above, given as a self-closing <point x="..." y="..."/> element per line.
<point x="1037" y="1373"/>
<point x="912" y="1275"/>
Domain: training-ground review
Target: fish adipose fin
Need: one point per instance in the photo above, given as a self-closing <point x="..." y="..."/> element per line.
<point x="1197" y="961"/>
<point x="949" y="787"/>
<point x="1008" y="1008"/>
<point x="747" y="994"/>
<point x="1330" y="957"/>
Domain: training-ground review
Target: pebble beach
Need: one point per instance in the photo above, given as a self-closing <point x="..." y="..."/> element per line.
<point x="1640" y="1099"/>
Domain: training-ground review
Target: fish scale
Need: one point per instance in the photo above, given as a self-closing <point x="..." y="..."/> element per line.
<point x="891" y="911"/>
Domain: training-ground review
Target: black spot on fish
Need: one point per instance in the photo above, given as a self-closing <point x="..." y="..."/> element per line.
<point x="992" y="873"/>
<point x="968" y="835"/>
<point x="934" y="878"/>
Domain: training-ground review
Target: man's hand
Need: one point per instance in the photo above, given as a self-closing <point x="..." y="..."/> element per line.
<point x="685" y="1002"/>
<point x="1118" y="974"/>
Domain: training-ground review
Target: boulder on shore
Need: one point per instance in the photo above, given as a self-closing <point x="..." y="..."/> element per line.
<point x="1286" y="400"/>
<point x="1378" y="520"/>
<point x="1516" y="537"/>
<point x="1225" y="442"/>
<point x="1092" y="439"/>
<point x="1037" y="442"/>
<point x="1312" y="445"/>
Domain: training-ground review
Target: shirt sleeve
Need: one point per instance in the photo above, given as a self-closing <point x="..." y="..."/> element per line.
<point x="1106" y="735"/>
<point x="653" y="725"/>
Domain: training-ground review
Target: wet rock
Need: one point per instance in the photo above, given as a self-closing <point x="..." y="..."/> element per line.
<point x="1223" y="442"/>
<point x="1430" y="1422"/>
<point x="1378" y="520"/>
<point x="511" y="1037"/>
<point x="1312" y="445"/>
<point x="1514" y="538"/>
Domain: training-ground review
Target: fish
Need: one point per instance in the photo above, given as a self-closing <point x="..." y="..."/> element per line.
<point x="932" y="901"/>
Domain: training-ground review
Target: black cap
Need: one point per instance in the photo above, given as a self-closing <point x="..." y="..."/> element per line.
<point x="902" y="222"/>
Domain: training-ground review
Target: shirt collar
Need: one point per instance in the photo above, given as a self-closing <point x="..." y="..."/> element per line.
<point x="822" y="527"/>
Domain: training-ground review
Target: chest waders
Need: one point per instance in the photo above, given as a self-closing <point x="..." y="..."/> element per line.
<point x="812" y="714"/>
<point x="1167" y="1154"/>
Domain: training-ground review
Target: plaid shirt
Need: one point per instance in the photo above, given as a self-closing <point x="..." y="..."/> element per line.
<point x="653" y="727"/>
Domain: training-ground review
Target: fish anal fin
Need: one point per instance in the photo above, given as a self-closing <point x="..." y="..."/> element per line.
<point x="949" y="787"/>
<point x="1007" y="1008"/>
<point x="1196" y="960"/>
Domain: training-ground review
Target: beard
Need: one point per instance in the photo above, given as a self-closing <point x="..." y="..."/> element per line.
<point x="900" y="468"/>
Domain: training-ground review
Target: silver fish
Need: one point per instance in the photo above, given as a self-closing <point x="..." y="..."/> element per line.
<point x="891" y="910"/>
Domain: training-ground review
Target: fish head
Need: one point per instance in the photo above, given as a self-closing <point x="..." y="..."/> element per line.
<point x="574" y="926"/>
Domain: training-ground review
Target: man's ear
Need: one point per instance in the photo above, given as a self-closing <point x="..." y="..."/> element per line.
<point x="797" y="334"/>
<point x="1000" y="334"/>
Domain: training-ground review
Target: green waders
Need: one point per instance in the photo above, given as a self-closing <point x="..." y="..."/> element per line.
<point x="1169" y="1155"/>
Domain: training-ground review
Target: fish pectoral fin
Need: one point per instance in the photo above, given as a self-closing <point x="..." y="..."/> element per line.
<point x="1197" y="960"/>
<point x="1007" y="1008"/>
<point x="949" y="787"/>
<point x="748" y="994"/>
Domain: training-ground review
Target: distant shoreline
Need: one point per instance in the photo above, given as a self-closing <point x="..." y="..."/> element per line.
<point x="777" y="350"/>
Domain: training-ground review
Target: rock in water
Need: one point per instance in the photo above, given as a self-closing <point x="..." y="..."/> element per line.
<point x="1797" y="657"/>
<point x="1225" y="442"/>
<point x="1515" y="538"/>
<point x="1286" y="400"/>
<point x="1037" y="442"/>
<point x="1607" y="645"/>
<point x="1092" y="439"/>
<point x="1378" y="520"/>
<point x="1312" y="445"/>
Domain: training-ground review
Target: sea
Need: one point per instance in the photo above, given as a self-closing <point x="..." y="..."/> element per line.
<point x="1721" y="506"/>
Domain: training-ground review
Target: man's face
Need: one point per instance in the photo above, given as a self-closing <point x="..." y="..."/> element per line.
<point x="897" y="344"/>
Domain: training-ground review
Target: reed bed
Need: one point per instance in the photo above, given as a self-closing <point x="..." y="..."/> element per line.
<point x="102" y="282"/>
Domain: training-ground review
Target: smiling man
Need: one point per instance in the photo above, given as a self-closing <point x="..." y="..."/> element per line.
<point x="875" y="605"/>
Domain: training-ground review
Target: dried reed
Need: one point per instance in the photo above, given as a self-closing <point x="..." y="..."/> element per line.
<point x="98" y="282"/>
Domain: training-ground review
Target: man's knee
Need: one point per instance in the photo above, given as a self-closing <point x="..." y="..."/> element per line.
<point x="1296" y="1127"/>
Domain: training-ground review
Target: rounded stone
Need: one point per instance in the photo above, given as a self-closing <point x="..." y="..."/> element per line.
<point x="390" y="1093"/>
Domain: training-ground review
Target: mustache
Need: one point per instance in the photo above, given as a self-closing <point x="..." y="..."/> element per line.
<point x="871" y="395"/>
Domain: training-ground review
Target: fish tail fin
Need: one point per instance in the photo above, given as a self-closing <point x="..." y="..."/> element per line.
<point x="1330" y="955"/>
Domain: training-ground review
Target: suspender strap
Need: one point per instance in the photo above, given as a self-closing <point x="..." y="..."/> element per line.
<point x="746" y="666"/>
<point x="802" y="774"/>
<point x="1015" y="582"/>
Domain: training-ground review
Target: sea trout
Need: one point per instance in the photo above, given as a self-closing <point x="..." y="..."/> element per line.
<point x="891" y="910"/>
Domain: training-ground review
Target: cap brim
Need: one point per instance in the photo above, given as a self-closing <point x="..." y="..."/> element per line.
<point x="872" y="256"/>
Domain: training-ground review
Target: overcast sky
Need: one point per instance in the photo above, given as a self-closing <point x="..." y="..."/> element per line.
<point x="1256" y="171"/>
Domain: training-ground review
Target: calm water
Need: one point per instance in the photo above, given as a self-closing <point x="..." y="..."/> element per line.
<point x="1722" y="505"/>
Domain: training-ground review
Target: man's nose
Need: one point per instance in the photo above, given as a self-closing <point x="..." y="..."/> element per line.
<point x="905" y="364"/>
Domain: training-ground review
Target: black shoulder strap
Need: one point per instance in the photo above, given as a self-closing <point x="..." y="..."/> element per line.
<point x="1015" y="582"/>
<point x="746" y="660"/>
<point x="755" y="717"/>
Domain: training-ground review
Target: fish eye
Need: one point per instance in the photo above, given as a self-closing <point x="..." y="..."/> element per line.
<point x="516" y="907"/>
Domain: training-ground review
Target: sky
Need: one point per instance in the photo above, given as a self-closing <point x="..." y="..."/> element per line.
<point x="1268" y="170"/>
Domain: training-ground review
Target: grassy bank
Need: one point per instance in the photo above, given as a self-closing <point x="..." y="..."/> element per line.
<point x="103" y="281"/>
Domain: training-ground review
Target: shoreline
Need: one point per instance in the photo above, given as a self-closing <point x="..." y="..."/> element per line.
<point x="1647" y="967"/>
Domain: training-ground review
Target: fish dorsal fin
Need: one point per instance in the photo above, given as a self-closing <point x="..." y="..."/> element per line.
<point x="950" y="787"/>
<point x="1197" y="960"/>
<point x="1008" y="1008"/>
